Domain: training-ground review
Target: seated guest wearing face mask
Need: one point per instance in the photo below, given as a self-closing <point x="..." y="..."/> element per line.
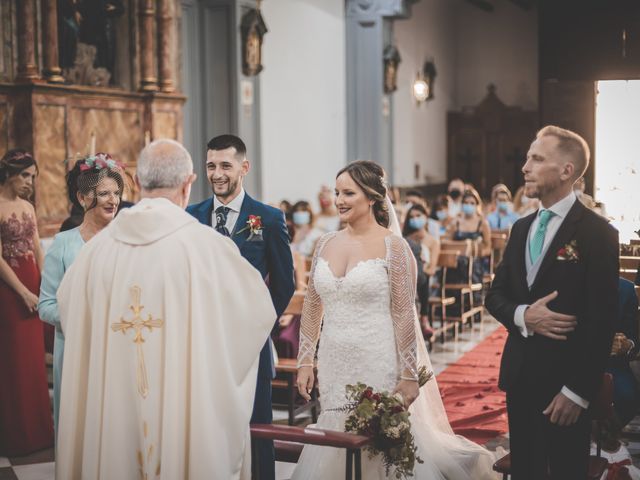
<point x="471" y="225"/>
<point x="327" y="219"/>
<point x="414" y="197"/>
<point x="305" y="235"/>
<point x="425" y="248"/>
<point x="455" y="191"/>
<point x="440" y="215"/>
<point x="503" y="216"/>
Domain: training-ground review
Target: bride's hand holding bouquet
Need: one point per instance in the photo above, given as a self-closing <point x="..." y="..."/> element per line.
<point x="408" y="389"/>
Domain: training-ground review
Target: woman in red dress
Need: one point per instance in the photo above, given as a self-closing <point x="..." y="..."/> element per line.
<point x="26" y="423"/>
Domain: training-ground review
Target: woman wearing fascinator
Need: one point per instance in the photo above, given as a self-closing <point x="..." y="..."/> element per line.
<point x="95" y="185"/>
<point x="360" y="309"/>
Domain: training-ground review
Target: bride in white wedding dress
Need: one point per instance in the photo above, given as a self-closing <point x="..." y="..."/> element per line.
<point x="360" y="308"/>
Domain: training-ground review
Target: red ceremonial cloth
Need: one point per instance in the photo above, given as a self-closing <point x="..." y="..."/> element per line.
<point x="475" y="406"/>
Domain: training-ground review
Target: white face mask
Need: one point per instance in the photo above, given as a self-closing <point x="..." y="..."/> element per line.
<point x="301" y="218"/>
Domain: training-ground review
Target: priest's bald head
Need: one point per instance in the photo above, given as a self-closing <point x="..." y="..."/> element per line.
<point x="165" y="169"/>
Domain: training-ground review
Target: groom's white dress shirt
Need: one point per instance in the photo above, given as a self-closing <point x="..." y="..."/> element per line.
<point x="234" y="207"/>
<point x="560" y="210"/>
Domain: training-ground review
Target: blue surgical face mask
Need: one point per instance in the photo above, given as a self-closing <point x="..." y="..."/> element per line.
<point x="301" y="218"/>
<point x="468" y="209"/>
<point x="417" y="223"/>
<point x="503" y="206"/>
<point x="442" y="215"/>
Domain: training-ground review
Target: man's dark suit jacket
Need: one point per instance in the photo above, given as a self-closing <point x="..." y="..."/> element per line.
<point x="587" y="288"/>
<point x="271" y="257"/>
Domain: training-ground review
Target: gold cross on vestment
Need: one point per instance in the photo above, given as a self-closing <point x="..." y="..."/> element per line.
<point x="137" y="323"/>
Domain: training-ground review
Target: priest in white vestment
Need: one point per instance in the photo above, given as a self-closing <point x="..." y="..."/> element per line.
<point x="163" y="321"/>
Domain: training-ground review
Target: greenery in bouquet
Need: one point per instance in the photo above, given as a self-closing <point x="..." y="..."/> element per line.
<point x="384" y="418"/>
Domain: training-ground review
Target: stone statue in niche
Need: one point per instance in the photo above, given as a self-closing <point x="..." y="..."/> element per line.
<point x="252" y="29"/>
<point x="392" y="59"/>
<point x="86" y="33"/>
<point x="83" y="71"/>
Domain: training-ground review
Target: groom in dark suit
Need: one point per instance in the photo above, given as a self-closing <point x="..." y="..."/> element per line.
<point x="261" y="234"/>
<point x="556" y="291"/>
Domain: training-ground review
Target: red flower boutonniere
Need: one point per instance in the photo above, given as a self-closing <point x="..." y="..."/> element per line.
<point x="569" y="253"/>
<point x="254" y="225"/>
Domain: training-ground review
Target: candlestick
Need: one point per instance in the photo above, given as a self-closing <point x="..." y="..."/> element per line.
<point x="92" y="148"/>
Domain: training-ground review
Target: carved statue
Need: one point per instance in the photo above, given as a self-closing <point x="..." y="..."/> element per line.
<point x="83" y="71"/>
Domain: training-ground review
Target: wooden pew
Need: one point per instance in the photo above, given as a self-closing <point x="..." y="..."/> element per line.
<point x="468" y="249"/>
<point x="445" y="261"/>
<point x="629" y="267"/>
<point x="286" y="373"/>
<point x="289" y="442"/>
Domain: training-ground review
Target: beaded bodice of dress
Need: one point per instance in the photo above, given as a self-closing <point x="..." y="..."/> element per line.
<point x="17" y="237"/>
<point x="358" y="340"/>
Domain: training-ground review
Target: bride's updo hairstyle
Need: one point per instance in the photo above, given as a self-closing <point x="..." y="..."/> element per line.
<point x="369" y="176"/>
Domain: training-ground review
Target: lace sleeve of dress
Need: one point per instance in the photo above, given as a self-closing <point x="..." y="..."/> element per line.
<point x="402" y="281"/>
<point x="311" y="313"/>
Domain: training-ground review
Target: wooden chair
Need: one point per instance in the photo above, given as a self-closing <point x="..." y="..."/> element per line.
<point x="602" y="409"/>
<point x="464" y="248"/>
<point x="442" y="301"/>
<point x="287" y="371"/>
<point x="629" y="267"/>
<point x="295" y="304"/>
<point x="498" y="244"/>
<point x="289" y="441"/>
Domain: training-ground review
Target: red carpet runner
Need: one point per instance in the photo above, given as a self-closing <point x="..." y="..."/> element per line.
<point x="469" y="388"/>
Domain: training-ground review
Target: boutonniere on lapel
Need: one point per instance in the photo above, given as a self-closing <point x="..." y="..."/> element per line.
<point x="569" y="253"/>
<point x="254" y="225"/>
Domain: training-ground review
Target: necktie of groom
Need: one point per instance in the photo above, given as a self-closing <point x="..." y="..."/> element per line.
<point x="221" y="221"/>
<point x="537" y="241"/>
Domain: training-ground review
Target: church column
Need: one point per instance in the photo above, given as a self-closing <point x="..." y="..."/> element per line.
<point x="149" y="81"/>
<point x="166" y="28"/>
<point x="369" y="110"/>
<point x="27" y="68"/>
<point x="51" y="70"/>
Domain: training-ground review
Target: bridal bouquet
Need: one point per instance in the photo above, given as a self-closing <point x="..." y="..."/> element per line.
<point x="384" y="418"/>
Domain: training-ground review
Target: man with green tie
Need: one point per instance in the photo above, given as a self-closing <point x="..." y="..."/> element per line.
<point x="556" y="291"/>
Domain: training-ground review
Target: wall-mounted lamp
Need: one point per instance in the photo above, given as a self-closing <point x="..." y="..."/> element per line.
<point x="424" y="83"/>
<point x="420" y="89"/>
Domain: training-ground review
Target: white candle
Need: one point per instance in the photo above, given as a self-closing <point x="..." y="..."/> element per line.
<point x="92" y="148"/>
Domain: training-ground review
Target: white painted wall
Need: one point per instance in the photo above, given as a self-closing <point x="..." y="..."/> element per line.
<point x="302" y="94"/>
<point x="500" y="47"/>
<point x="471" y="49"/>
<point x="420" y="132"/>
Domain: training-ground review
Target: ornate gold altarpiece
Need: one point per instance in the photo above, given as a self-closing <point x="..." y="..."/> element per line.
<point x="41" y="112"/>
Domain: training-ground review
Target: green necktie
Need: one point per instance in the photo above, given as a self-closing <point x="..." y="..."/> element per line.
<point x="537" y="241"/>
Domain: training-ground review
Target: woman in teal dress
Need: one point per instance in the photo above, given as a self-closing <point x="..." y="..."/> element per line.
<point x="95" y="184"/>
